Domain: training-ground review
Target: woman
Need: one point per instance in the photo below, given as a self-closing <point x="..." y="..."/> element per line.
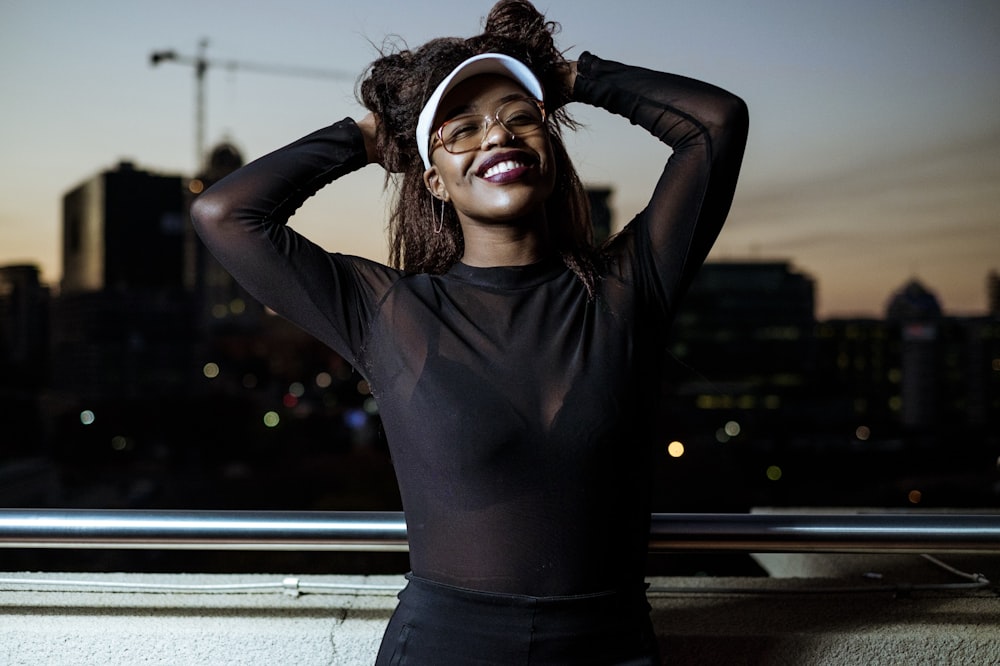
<point x="515" y="366"/>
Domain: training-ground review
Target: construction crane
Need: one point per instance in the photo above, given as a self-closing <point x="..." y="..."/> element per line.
<point x="201" y="64"/>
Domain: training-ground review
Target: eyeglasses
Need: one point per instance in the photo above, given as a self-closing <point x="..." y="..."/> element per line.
<point x="519" y="117"/>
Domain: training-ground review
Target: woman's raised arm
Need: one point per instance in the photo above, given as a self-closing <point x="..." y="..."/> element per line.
<point x="706" y="128"/>
<point x="242" y="219"/>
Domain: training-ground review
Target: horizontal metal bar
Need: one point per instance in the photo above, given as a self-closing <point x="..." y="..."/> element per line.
<point x="840" y="533"/>
<point x="386" y="531"/>
<point x="203" y="530"/>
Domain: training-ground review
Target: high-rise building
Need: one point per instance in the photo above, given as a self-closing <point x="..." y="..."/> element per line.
<point x="123" y="229"/>
<point x="748" y="318"/>
<point x="916" y="310"/>
<point x="743" y="342"/>
<point x="122" y="322"/>
<point x="24" y="304"/>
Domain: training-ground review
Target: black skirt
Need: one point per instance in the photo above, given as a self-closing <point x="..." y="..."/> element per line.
<point x="441" y="624"/>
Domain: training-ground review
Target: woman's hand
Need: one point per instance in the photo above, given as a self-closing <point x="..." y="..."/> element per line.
<point x="369" y="126"/>
<point x="569" y="76"/>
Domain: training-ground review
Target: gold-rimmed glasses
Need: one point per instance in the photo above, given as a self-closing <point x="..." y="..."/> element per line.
<point x="519" y="117"/>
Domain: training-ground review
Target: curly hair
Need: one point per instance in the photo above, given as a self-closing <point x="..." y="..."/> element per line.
<point x="395" y="88"/>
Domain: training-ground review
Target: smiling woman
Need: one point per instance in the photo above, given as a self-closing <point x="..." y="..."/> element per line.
<point x="515" y="366"/>
<point x="518" y="52"/>
<point x="495" y="179"/>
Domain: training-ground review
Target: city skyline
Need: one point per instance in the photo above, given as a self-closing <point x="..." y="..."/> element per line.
<point x="874" y="154"/>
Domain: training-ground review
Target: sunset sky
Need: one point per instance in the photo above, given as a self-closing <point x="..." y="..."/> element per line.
<point x="874" y="152"/>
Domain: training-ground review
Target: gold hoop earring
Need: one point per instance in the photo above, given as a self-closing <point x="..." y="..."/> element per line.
<point x="440" y="224"/>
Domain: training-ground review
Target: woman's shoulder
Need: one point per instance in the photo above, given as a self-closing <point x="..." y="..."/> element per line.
<point x="376" y="276"/>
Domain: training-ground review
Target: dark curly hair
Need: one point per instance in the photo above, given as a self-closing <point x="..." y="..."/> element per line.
<point x="395" y="88"/>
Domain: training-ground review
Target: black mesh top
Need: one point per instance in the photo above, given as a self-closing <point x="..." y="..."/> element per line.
<point x="516" y="408"/>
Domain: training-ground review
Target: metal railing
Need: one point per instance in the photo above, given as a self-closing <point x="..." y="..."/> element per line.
<point x="386" y="531"/>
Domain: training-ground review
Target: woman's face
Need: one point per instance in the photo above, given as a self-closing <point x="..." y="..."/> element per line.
<point x="503" y="179"/>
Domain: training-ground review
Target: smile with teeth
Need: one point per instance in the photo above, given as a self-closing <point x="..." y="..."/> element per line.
<point x="502" y="167"/>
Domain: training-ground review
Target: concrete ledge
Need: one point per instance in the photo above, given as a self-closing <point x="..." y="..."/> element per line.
<point x="45" y="624"/>
<point x="808" y="621"/>
<point x="699" y="620"/>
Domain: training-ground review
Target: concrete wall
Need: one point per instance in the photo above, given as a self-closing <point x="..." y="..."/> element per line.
<point x="110" y="619"/>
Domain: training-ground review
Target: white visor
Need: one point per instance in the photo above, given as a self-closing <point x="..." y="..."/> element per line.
<point x="485" y="63"/>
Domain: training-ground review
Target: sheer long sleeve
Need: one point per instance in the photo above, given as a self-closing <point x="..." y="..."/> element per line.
<point x="243" y="218"/>
<point x="706" y="128"/>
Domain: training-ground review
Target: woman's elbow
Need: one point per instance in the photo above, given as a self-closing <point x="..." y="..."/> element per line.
<point x="731" y="126"/>
<point x="735" y="115"/>
<point x="208" y="212"/>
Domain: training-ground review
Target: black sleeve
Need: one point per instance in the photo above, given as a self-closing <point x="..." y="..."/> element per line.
<point x="243" y="218"/>
<point x="706" y="128"/>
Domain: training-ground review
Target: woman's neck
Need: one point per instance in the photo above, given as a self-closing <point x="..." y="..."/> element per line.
<point x="503" y="245"/>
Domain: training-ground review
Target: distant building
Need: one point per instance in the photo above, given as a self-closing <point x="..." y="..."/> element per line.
<point x="742" y="343"/>
<point x="913" y="302"/>
<point x="993" y="294"/>
<point x="600" y="211"/>
<point x="917" y="313"/>
<point x="24" y="309"/>
<point x="24" y="367"/>
<point x="746" y="350"/>
<point x="916" y="374"/>
<point x="858" y="375"/>
<point x="751" y="320"/>
<point x="123" y="229"/>
<point x="141" y="298"/>
<point x="122" y="323"/>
